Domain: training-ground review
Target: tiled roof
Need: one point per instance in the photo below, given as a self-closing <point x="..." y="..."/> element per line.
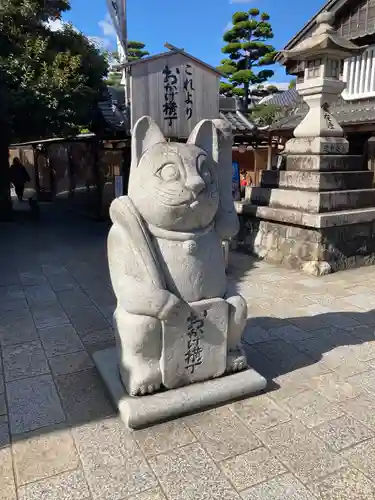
<point x="288" y="98"/>
<point x="345" y="112"/>
<point x="239" y="123"/>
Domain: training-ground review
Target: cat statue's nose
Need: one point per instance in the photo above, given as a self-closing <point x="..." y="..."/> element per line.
<point x="195" y="183"/>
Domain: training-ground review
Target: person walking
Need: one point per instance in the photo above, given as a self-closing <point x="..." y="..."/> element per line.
<point x="19" y="177"/>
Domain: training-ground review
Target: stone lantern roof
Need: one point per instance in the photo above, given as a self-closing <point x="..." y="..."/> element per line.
<point x="325" y="41"/>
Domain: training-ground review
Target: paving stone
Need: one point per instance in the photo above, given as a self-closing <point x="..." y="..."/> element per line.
<point x="283" y="354"/>
<point x="342" y="432"/>
<point x="50" y="316"/>
<point x="62" y="282"/>
<point x="70" y="363"/>
<point x="256" y="334"/>
<point x="285" y="487"/>
<point x="24" y="360"/>
<point x="3" y="406"/>
<point x="362" y="456"/>
<point x="252" y="468"/>
<point x="33" y="403"/>
<point x="344" y="362"/>
<point x="60" y="340"/>
<point x="222" y="434"/>
<point x="98" y="337"/>
<point x="301" y="451"/>
<point x="7" y="488"/>
<point x="40" y="295"/>
<point x="311" y="408"/>
<point x="188" y="473"/>
<point x="164" y="437"/>
<point x="290" y="333"/>
<point x="113" y="463"/>
<point x="83" y="396"/>
<point x="333" y="387"/>
<point x="154" y="494"/>
<point x="4" y="432"/>
<point x="11" y="292"/>
<point x="260" y="412"/>
<point x="13" y="305"/>
<point x="67" y="486"/>
<point x="87" y="319"/>
<point x="74" y="298"/>
<point x="17" y="331"/>
<point x="347" y="483"/>
<point x="362" y="409"/>
<point x="307" y="323"/>
<point x="38" y="456"/>
<point x="33" y="278"/>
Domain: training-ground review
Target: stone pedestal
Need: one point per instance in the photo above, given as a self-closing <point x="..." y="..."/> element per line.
<point x="318" y="215"/>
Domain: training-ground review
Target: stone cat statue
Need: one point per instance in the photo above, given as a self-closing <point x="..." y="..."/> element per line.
<point x="176" y="321"/>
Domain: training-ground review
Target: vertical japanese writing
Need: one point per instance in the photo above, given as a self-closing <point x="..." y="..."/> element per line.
<point x="189" y="90"/>
<point x="170" y="106"/>
<point x="193" y="355"/>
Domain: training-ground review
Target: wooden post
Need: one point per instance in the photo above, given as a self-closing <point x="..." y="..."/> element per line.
<point x="269" y="155"/>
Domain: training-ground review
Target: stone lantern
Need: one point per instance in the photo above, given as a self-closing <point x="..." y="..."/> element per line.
<point x="321" y="57"/>
<point x="318" y="214"/>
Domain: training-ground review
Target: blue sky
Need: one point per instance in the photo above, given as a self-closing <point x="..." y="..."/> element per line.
<point x="195" y="25"/>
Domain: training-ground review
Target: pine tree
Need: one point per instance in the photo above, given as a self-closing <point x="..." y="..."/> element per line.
<point x="248" y="52"/>
<point x="135" y="53"/>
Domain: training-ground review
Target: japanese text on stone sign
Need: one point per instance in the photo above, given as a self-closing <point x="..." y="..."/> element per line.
<point x="189" y="90"/>
<point x="170" y="106"/>
<point x="193" y="355"/>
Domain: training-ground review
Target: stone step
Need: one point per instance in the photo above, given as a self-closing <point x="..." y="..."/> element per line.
<point x="296" y="218"/>
<point x="317" y="181"/>
<point x="309" y="201"/>
<point x="325" y="162"/>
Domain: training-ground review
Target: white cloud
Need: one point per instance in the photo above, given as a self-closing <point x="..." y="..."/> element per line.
<point x="107" y="26"/>
<point x="100" y="42"/>
<point x="55" y="24"/>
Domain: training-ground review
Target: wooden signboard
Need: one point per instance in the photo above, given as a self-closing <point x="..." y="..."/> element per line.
<point x="176" y="90"/>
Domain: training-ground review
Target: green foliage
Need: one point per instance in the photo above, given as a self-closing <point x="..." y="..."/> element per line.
<point x="293" y="83"/>
<point x="265" y="114"/>
<point x="52" y="80"/>
<point x="248" y="52"/>
<point x="135" y="53"/>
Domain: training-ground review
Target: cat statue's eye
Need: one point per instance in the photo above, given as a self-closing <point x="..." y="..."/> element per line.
<point x="168" y="172"/>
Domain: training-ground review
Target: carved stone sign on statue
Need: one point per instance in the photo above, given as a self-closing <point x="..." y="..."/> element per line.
<point x="177" y="322"/>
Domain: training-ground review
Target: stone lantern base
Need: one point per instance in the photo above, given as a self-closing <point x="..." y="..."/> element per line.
<point x="318" y="215"/>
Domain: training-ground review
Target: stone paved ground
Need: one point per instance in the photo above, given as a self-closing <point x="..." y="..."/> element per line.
<point x="311" y="435"/>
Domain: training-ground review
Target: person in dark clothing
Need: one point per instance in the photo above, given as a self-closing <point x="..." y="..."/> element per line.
<point x="19" y="177"/>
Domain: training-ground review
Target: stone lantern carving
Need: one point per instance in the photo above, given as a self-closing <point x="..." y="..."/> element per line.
<point x="321" y="56"/>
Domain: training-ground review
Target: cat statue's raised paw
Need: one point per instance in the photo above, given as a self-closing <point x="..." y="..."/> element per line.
<point x="176" y="320"/>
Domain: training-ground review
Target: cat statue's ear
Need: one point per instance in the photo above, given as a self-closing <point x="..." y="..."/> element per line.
<point x="204" y="135"/>
<point x="145" y="134"/>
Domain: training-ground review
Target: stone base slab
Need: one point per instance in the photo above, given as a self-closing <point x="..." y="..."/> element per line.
<point x="316" y="251"/>
<point x="139" y="412"/>
<point x="323" y="220"/>
<point x="317" y="146"/>
<point x="311" y="201"/>
<point x="324" y="163"/>
<point x="317" y="181"/>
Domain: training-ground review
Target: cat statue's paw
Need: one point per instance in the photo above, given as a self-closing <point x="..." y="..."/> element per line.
<point x="236" y="360"/>
<point x="145" y="381"/>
